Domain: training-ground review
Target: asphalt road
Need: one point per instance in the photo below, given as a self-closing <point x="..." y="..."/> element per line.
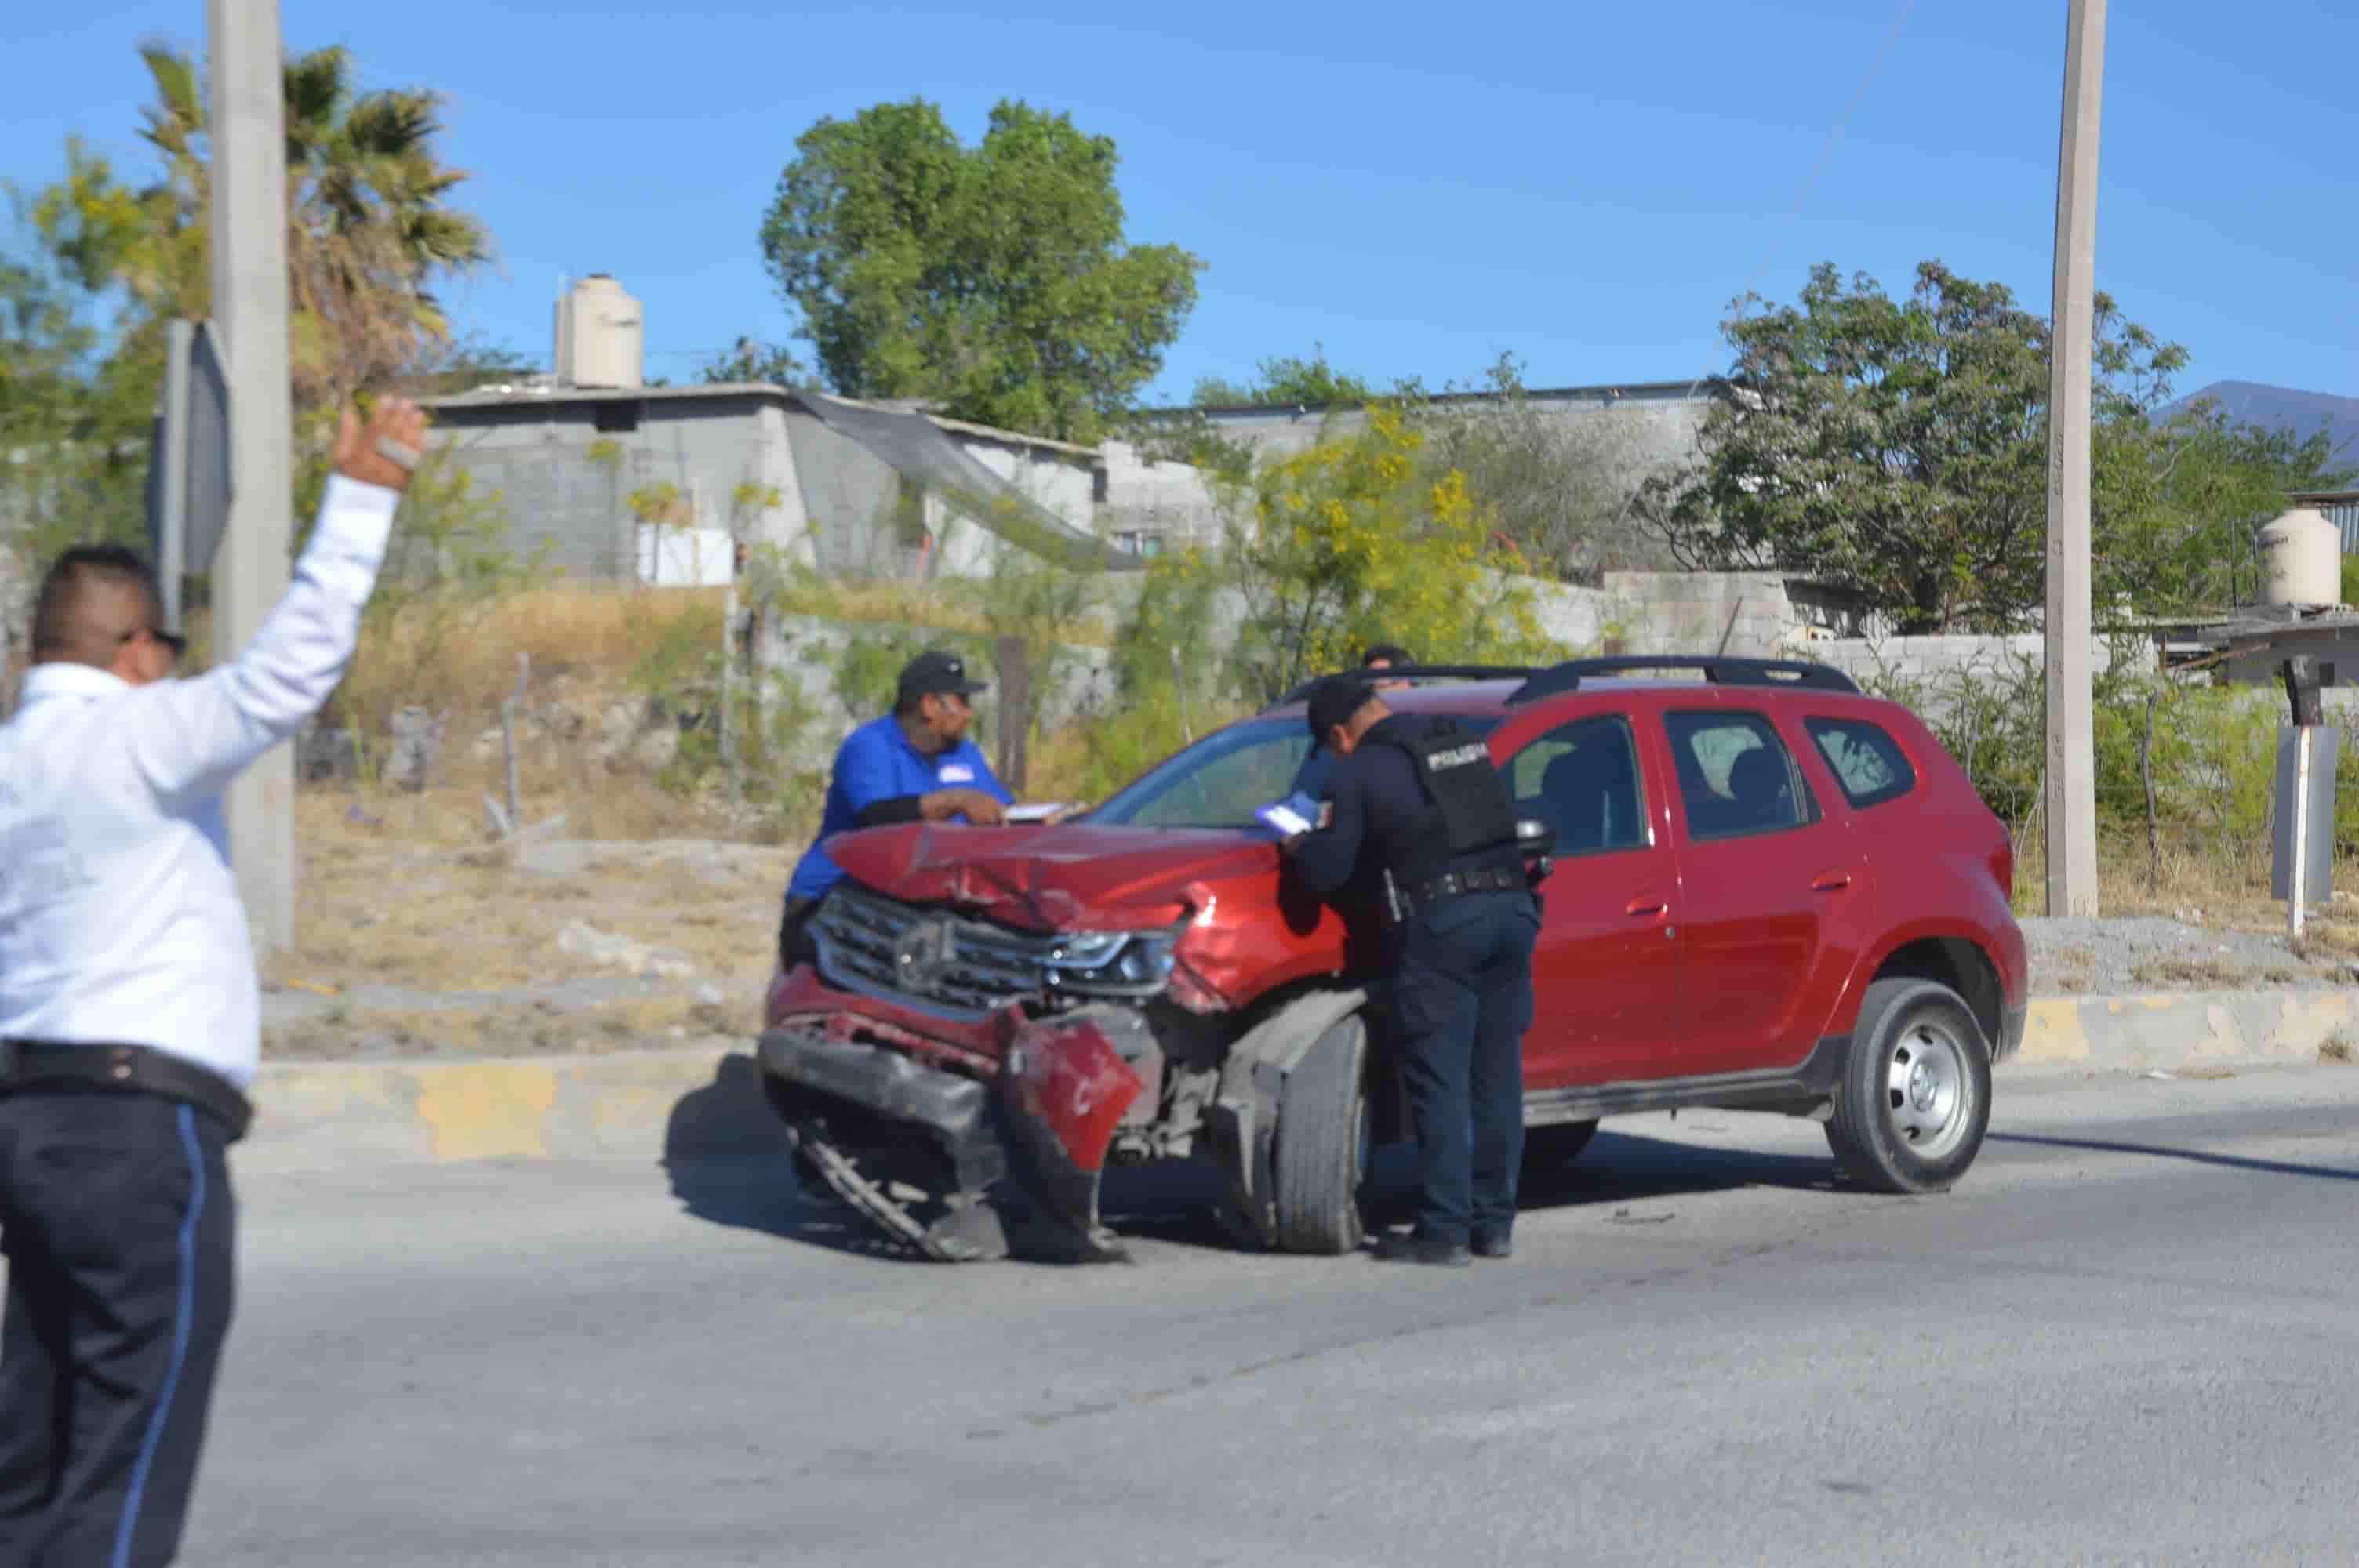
<point x="2126" y="1337"/>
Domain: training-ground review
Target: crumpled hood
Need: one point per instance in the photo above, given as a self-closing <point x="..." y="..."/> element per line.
<point x="1073" y="877"/>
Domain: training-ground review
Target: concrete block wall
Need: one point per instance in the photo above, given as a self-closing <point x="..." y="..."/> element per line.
<point x="804" y="653"/>
<point x="1745" y="613"/>
<point x="1170" y="501"/>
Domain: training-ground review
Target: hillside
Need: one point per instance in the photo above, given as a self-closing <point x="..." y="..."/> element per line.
<point x="2282" y="408"/>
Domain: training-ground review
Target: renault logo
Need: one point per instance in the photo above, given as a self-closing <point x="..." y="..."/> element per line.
<point x="922" y="954"/>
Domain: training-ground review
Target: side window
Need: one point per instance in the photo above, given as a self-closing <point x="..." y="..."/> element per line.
<point x="1582" y="778"/>
<point x="1736" y="775"/>
<point x="1866" y="762"/>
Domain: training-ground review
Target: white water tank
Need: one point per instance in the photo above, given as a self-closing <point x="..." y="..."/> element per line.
<point x="599" y="335"/>
<point x="2301" y="559"/>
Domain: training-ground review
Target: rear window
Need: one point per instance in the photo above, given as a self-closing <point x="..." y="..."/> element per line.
<point x="1866" y="762"/>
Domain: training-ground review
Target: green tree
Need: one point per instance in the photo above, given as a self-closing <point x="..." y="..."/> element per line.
<point x="1309" y="383"/>
<point x="371" y="232"/>
<point x="102" y="264"/>
<point x="2186" y="499"/>
<point x="1349" y="542"/>
<point x="750" y="361"/>
<point x="1899" y="445"/>
<point x="993" y="281"/>
<point x="1557" y="481"/>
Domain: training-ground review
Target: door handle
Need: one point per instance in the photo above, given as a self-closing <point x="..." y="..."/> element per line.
<point x="1646" y="904"/>
<point x="1831" y="881"/>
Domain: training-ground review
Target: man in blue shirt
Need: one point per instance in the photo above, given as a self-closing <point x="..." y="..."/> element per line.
<point x="914" y="765"/>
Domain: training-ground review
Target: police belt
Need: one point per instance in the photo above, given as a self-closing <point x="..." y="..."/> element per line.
<point x="1449" y="884"/>
<point x="35" y="1065"/>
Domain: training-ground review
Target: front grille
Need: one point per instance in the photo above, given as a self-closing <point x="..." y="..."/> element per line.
<point x="927" y="958"/>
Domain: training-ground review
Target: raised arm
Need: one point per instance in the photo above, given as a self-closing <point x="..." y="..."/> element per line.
<point x="189" y="737"/>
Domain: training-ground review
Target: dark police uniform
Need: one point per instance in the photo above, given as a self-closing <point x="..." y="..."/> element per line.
<point x="1421" y="822"/>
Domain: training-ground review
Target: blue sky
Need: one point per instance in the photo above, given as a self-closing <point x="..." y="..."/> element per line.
<point x="1418" y="189"/>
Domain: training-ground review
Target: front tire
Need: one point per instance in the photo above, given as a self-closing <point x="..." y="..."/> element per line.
<point x="1915" y="1097"/>
<point x="1322" y="1144"/>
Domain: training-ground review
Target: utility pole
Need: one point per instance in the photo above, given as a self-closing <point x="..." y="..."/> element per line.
<point x="249" y="238"/>
<point x="2071" y="804"/>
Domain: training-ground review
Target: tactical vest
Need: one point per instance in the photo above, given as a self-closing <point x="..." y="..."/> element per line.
<point x="1470" y="818"/>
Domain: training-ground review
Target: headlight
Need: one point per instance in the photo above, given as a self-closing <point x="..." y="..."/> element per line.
<point x="1110" y="962"/>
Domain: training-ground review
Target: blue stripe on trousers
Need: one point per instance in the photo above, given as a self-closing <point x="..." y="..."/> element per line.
<point x="183" y="1311"/>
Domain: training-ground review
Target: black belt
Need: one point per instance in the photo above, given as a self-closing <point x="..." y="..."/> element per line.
<point x="1482" y="879"/>
<point x="41" y="1064"/>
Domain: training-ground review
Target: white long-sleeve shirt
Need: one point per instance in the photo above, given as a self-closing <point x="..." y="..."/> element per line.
<point x="120" y="922"/>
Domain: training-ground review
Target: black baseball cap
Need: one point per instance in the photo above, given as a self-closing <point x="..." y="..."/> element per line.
<point x="1333" y="701"/>
<point x="935" y="671"/>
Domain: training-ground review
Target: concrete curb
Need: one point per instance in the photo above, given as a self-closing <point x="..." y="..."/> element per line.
<point x="2167" y="1030"/>
<point x="696" y="1102"/>
<point x="706" y="1101"/>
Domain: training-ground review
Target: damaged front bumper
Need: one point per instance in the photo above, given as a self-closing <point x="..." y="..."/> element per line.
<point x="960" y="1167"/>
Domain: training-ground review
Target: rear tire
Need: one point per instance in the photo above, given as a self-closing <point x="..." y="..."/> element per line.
<point x="1556" y="1145"/>
<point x="1321" y="1145"/>
<point x="1915" y="1098"/>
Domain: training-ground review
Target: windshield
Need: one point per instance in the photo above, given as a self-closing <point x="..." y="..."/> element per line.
<point x="1222" y="779"/>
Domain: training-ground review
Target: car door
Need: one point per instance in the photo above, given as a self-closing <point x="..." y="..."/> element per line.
<point x="1605" y="971"/>
<point x="1766" y="882"/>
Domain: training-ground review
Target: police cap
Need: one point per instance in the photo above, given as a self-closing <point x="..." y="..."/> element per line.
<point x="1333" y="701"/>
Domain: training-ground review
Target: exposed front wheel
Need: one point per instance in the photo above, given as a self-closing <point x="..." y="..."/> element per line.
<point x="1915" y="1097"/>
<point x="1322" y="1144"/>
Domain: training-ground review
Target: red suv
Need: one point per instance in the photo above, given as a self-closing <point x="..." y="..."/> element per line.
<point x="1764" y="892"/>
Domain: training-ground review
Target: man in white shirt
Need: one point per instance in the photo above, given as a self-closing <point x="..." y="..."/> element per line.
<point x="129" y="1014"/>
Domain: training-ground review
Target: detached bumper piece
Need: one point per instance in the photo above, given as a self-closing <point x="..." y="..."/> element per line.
<point x="958" y="1169"/>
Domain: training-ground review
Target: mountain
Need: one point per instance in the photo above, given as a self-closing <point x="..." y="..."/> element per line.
<point x="2282" y="408"/>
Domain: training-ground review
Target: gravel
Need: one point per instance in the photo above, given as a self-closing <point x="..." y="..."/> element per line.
<point x="2149" y="953"/>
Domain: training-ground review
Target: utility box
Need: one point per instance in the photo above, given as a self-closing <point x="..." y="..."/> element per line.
<point x="2302" y="865"/>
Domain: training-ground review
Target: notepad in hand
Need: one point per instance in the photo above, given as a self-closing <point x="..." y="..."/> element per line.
<point x="1035" y="810"/>
<point x="1296" y="814"/>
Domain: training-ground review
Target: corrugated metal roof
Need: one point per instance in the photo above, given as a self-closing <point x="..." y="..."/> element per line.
<point x="505" y="395"/>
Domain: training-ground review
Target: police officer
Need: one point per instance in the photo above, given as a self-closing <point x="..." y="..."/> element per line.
<point x="1310" y="778"/>
<point x="913" y="765"/>
<point x="1418" y="819"/>
<point x="129" y="1018"/>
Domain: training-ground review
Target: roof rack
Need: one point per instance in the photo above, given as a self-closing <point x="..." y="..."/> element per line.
<point x="1415" y="673"/>
<point x="1718" y="668"/>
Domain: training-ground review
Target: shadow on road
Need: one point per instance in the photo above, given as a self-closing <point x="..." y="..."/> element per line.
<point x="729" y="1162"/>
<point x="726" y="1153"/>
<point x="2233" y="1161"/>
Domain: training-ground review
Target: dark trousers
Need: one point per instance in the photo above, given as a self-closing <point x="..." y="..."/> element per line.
<point x="1464" y="991"/>
<point x="118" y="1226"/>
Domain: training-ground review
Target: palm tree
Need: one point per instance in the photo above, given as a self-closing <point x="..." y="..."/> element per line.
<point x="369" y="227"/>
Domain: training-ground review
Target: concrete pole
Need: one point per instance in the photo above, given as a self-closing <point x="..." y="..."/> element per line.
<point x="249" y="236"/>
<point x="2072" y="803"/>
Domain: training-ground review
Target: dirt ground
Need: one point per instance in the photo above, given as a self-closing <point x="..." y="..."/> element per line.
<point x="408" y="944"/>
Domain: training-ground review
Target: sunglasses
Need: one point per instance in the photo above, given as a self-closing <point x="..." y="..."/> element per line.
<point x="174" y="643"/>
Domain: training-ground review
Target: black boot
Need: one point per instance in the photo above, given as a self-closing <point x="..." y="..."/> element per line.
<point x="1412" y="1247"/>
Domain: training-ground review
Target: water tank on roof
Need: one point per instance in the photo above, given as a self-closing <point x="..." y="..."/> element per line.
<point x="599" y="335"/>
<point x="2301" y="559"/>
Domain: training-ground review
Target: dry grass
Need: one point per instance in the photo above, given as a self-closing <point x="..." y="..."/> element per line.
<point x="2335" y="1047"/>
<point x="462" y="659"/>
<point x="390" y="897"/>
<point x="2194" y="973"/>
